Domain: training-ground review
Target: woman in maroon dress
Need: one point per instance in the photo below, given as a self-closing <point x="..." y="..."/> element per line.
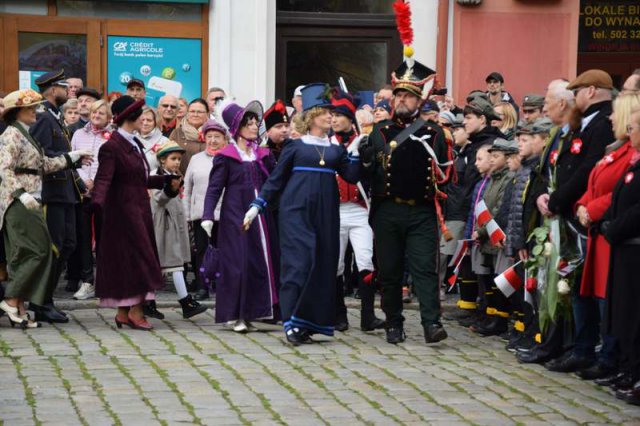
<point x="128" y="270"/>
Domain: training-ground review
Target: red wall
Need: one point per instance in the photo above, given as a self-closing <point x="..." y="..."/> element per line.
<point x="530" y="42"/>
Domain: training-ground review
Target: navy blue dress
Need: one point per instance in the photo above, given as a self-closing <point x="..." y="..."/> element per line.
<point x="309" y="225"/>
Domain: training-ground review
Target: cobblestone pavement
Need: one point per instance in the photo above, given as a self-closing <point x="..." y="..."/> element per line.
<point x="195" y="372"/>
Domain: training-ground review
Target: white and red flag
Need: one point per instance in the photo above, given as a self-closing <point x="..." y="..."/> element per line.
<point x="462" y="248"/>
<point x="483" y="217"/>
<point x="509" y="281"/>
<point x="530" y="287"/>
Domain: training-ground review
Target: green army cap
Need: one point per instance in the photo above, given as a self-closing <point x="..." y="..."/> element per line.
<point x="532" y="100"/>
<point x="541" y="125"/>
<point x="481" y="106"/>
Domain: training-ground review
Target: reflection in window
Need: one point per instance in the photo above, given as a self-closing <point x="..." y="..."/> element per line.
<point x="337" y="6"/>
<point x="129" y="10"/>
<point x="25" y="7"/>
<point x="363" y="65"/>
<point x="49" y="52"/>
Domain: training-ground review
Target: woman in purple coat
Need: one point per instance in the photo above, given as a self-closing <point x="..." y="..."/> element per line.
<point x="248" y="283"/>
<point x="128" y="269"/>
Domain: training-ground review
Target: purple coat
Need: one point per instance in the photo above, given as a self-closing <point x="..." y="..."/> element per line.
<point x="127" y="265"/>
<point x="248" y="282"/>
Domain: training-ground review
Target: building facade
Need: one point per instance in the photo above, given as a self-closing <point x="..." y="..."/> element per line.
<point x="262" y="49"/>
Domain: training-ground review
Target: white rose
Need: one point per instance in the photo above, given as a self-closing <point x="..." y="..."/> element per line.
<point x="547" y="249"/>
<point x="563" y="287"/>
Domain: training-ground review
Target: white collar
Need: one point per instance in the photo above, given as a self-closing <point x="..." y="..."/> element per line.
<point x="586" y="120"/>
<point x="315" y="140"/>
<point x="251" y="156"/>
<point x="23" y="125"/>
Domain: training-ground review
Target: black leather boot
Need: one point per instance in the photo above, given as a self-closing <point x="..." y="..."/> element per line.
<point x="190" y="307"/>
<point x="367" y="291"/>
<point x="342" y="322"/>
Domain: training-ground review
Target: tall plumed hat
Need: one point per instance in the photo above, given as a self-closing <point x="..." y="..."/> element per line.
<point x="316" y="95"/>
<point x="411" y="75"/>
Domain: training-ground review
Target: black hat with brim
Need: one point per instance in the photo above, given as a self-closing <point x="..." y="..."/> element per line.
<point x="126" y="107"/>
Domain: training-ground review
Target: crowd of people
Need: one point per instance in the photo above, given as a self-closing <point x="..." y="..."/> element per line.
<point x="529" y="212"/>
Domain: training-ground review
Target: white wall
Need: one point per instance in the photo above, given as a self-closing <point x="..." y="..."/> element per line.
<point x="242" y="45"/>
<point x="425" y="31"/>
<point x="242" y="48"/>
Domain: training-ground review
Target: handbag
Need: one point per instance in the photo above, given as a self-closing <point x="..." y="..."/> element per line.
<point x="210" y="266"/>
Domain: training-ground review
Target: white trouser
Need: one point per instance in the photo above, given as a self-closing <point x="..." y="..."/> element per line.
<point x="354" y="227"/>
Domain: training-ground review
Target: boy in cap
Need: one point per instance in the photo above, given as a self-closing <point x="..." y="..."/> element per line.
<point x="532" y="105"/>
<point x="531" y="142"/>
<point x="496" y="92"/>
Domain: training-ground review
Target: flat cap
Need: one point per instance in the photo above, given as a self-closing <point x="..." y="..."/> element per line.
<point x="598" y="78"/>
<point x="88" y="91"/>
<point x="541" y="125"/>
<point x="533" y="100"/>
<point x="481" y="106"/>
<point x="506" y="146"/>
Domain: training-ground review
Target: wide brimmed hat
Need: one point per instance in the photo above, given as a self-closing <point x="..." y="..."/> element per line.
<point x="234" y="113"/>
<point x="316" y="95"/>
<point x="167" y="148"/>
<point x="21" y="99"/>
<point x="125" y="107"/>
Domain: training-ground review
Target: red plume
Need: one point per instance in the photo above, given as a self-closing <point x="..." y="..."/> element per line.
<point x="280" y="107"/>
<point x="403" y="21"/>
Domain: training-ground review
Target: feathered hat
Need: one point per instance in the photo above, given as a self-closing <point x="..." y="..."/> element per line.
<point x="276" y="114"/>
<point x="411" y="75"/>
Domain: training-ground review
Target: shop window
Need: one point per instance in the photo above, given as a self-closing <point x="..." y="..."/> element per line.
<point x="43" y="52"/>
<point x="131" y="10"/>
<point x="336" y="6"/>
<point x="24" y="7"/>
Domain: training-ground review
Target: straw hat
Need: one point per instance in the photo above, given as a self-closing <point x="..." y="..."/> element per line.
<point x="21" y="99"/>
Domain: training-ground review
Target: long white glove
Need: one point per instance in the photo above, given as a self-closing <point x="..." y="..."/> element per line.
<point x="76" y="155"/>
<point x="28" y="201"/>
<point x="251" y="214"/>
<point x="207" y="225"/>
<point x="353" y="147"/>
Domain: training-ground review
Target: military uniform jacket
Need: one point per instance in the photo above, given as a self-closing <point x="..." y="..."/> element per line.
<point x="50" y="132"/>
<point x="406" y="173"/>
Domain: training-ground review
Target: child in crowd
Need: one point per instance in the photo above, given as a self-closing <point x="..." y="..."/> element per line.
<point x="491" y="255"/>
<point x="483" y="166"/>
<point x="170" y="226"/>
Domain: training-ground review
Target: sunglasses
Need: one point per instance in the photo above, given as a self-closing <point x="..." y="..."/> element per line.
<point x="170" y="106"/>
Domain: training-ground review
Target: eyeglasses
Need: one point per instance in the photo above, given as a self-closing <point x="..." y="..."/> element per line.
<point x="197" y="112"/>
<point x="631" y="128"/>
<point x="218" y="98"/>
<point x="170" y="106"/>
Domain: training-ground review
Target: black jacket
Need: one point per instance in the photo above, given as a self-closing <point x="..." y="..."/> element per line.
<point x="470" y="177"/>
<point x="76" y="126"/>
<point x="575" y="159"/>
<point x="516" y="230"/>
<point x="50" y="132"/>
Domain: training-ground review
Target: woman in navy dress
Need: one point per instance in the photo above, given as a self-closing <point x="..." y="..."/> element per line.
<point x="309" y="219"/>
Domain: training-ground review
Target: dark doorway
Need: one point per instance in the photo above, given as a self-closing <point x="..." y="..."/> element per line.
<point x="320" y="46"/>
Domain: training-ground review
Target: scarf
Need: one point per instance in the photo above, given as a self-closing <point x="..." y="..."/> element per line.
<point x="190" y="132"/>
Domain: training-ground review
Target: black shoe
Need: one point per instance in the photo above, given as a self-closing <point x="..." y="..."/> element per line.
<point x="460" y="314"/>
<point x="596" y="371"/>
<point x="569" y="364"/>
<point x="611" y="379"/>
<point x="495" y="327"/>
<point x="395" y="335"/>
<point x="202" y="294"/>
<point x="150" y="310"/>
<point x="342" y="325"/>
<point x="297" y="337"/>
<point x="474" y="318"/>
<point x="72" y="286"/>
<point x="514" y="341"/>
<point x="632" y="396"/>
<point x="534" y="356"/>
<point x="190" y="307"/>
<point x="375" y="324"/>
<point x="625" y="382"/>
<point x="434" y="333"/>
<point x="48" y="313"/>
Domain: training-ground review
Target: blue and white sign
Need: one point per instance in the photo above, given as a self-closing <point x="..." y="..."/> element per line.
<point x="166" y="65"/>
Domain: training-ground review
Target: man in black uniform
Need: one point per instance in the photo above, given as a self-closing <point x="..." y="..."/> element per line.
<point x="60" y="191"/>
<point x="406" y="158"/>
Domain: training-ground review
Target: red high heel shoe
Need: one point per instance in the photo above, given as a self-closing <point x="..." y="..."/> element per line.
<point x="140" y="324"/>
<point x="120" y="323"/>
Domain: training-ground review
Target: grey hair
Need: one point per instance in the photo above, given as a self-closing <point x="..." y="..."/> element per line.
<point x="558" y="89"/>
